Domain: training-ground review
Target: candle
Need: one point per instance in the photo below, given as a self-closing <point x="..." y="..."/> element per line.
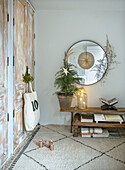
<point x="80" y="102"/>
<point x="41" y="143"/>
<point x="51" y="146"/>
<point x="84" y="105"/>
<point x="81" y="92"/>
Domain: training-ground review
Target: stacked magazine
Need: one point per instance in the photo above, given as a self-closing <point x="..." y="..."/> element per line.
<point x="108" y="118"/>
<point x="102" y="118"/>
<point x="113" y="118"/>
<point x="99" y="117"/>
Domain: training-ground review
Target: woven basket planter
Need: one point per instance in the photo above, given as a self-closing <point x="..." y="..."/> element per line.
<point x="65" y="102"/>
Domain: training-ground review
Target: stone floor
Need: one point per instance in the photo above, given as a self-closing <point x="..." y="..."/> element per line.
<point x="72" y="153"/>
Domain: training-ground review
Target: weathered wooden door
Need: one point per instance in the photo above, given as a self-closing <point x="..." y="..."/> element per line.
<point x="19" y="68"/>
<point x="3" y="81"/>
<point x="23" y="52"/>
<point x="23" y="56"/>
<point x="30" y="39"/>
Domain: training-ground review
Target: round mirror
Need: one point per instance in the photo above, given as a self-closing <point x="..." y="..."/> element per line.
<point x="90" y="61"/>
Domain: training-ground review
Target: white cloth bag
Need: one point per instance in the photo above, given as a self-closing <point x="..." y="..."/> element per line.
<point x="31" y="111"/>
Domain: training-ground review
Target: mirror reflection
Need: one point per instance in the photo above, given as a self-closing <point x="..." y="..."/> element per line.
<point x="90" y="61"/>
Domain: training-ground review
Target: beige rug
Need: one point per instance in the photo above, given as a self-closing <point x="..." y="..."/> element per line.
<point x="71" y="153"/>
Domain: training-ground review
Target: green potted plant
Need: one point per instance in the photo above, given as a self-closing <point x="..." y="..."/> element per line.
<point x="66" y="80"/>
<point x="27" y="78"/>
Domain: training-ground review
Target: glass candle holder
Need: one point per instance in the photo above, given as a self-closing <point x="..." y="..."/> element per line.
<point x="82" y="99"/>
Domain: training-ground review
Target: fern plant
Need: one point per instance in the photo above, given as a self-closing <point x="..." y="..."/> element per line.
<point x="66" y="78"/>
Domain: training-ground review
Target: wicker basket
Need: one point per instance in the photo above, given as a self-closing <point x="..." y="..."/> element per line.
<point x="65" y="102"/>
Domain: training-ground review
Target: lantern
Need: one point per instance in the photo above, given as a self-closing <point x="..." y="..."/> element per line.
<point x="81" y="99"/>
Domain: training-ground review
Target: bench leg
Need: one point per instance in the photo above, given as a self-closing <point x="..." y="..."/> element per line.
<point x="71" y="122"/>
<point x="75" y="131"/>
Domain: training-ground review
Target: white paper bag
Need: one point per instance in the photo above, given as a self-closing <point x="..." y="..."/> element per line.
<point x="31" y="111"/>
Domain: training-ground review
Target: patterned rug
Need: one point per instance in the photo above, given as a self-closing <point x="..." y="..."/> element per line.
<point x="71" y="153"/>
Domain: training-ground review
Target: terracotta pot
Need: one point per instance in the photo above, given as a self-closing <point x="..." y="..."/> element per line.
<point x="65" y="102"/>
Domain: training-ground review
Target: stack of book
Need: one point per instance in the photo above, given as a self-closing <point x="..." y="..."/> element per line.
<point x="94" y="132"/>
<point x="113" y="134"/>
<point x="86" y="118"/>
<point x="85" y="132"/>
<point x="104" y="134"/>
<point x="108" y="118"/>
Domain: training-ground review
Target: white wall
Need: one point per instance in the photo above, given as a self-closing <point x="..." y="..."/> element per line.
<point x="56" y="31"/>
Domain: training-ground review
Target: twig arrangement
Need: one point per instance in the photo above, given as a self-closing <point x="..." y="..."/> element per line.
<point x="105" y="64"/>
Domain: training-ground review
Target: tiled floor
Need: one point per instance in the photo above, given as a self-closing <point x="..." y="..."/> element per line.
<point x="71" y="153"/>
